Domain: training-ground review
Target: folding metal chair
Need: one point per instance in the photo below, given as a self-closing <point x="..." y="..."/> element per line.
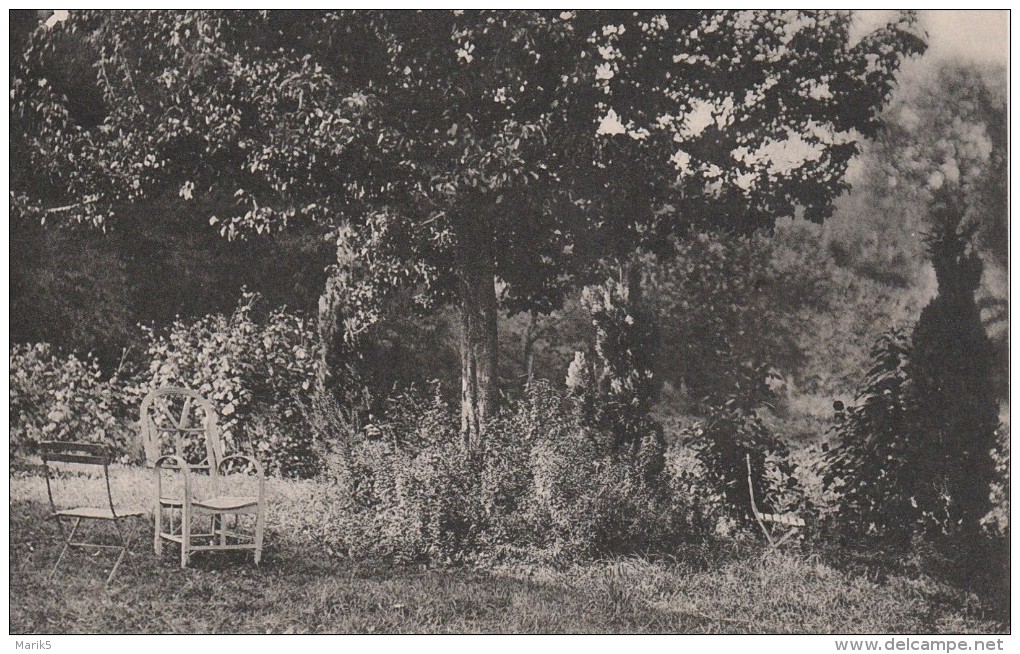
<point x="779" y="522"/>
<point x="85" y="455"/>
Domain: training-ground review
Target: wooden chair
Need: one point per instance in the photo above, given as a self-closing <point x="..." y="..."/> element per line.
<point x="778" y="522"/>
<point x="85" y="455"/>
<point x="194" y="479"/>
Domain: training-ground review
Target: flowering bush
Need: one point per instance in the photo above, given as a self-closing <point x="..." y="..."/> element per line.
<point x="63" y="397"/>
<point x="258" y="369"/>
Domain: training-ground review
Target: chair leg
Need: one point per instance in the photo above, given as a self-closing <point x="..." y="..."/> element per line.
<point x="67" y="544"/>
<point x="774" y="544"/>
<point x="260" y="519"/>
<point x="764" y="530"/>
<point x="185" y="538"/>
<point x="120" y="557"/>
<point x="786" y="536"/>
<point x="157" y="544"/>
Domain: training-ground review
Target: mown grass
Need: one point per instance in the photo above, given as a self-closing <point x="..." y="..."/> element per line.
<point x="299" y="589"/>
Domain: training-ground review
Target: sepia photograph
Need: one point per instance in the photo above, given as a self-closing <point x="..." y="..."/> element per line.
<point x="510" y="322"/>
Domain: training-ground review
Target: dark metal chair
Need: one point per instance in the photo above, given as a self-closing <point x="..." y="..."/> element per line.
<point x="85" y="455"/>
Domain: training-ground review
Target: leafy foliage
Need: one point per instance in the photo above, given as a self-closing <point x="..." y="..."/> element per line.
<point x="711" y="294"/>
<point x="54" y="396"/>
<point x="257" y="366"/>
<point x="421" y="140"/>
<point x="873" y="466"/>
<point x="379" y="102"/>
<point x="733" y="431"/>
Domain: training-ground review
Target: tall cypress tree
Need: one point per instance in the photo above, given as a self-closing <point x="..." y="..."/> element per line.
<point x="951" y="366"/>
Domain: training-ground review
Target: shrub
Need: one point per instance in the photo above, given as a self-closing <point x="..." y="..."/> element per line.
<point x="599" y="503"/>
<point x="881" y="471"/>
<point x="54" y="396"/>
<point x="615" y="388"/>
<point x="403" y="490"/>
<point x="258" y="369"/>
<point x="543" y="485"/>
<point x="733" y="431"/>
<point x="871" y="469"/>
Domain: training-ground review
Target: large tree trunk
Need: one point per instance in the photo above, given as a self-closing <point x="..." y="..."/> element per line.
<point x="479" y="342"/>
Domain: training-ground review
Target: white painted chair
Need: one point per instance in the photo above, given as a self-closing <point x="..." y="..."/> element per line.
<point x="182" y="444"/>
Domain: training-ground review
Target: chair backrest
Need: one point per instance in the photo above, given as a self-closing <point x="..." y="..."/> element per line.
<point x="85" y="454"/>
<point x="180" y="421"/>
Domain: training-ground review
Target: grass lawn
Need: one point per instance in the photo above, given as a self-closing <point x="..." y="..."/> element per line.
<point x="298" y="589"/>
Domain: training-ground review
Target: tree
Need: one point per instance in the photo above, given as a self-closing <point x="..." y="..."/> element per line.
<point x="946" y="131"/>
<point x="454" y="151"/>
<point x="915" y="452"/>
<point x="952" y="367"/>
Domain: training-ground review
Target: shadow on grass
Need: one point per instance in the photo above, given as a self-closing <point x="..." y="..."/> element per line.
<point x="973" y="573"/>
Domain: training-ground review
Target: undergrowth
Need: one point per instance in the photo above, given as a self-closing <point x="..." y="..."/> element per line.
<point x="711" y="586"/>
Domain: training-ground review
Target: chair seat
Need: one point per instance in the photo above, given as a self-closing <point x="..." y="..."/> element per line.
<point x="100" y="513"/>
<point x="226" y="502"/>
<point x="221" y="503"/>
<point x="783" y="519"/>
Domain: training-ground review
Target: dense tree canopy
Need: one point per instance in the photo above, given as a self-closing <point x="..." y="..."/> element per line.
<point x="456" y="152"/>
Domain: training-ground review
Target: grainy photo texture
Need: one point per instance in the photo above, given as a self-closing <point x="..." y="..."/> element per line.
<point x="509" y="322"/>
